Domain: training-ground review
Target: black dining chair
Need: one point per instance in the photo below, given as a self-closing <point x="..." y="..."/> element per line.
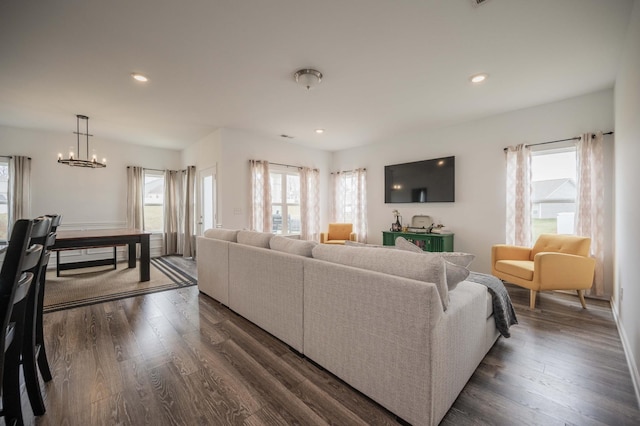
<point x="33" y="352"/>
<point x="15" y="281"/>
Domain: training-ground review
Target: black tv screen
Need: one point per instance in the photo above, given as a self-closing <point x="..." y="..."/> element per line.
<point x="428" y="181"/>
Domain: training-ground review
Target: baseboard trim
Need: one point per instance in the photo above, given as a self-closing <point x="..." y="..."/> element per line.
<point x="633" y="368"/>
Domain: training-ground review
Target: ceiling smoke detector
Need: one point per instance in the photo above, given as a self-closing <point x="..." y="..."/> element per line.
<point x="308" y="78"/>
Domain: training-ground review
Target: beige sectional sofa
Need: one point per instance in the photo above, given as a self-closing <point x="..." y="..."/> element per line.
<point x="368" y="315"/>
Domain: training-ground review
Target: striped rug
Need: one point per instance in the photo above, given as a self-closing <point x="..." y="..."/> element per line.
<point x="82" y="287"/>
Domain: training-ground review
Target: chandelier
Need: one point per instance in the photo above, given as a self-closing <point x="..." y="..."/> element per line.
<point x="74" y="159"/>
<point x="308" y="78"/>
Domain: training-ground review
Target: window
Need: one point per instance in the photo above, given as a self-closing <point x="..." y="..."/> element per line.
<point x="4" y="198"/>
<point x="285" y="200"/>
<point x="153" y="201"/>
<point x="553" y="191"/>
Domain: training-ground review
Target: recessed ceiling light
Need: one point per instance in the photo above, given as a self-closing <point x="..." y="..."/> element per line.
<point x="140" y="77"/>
<point x="319" y="131"/>
<point x="478" y="78"/>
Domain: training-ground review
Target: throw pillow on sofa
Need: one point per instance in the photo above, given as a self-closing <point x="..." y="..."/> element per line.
<point x="254" y="238"/>
<point x="291" y="246"/>
<point x="393" y="262"/>
<point x="222" y="234"/>
<point x="456" y="272"/>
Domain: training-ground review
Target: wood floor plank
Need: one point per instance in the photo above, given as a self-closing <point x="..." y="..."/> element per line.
<point x="181" y="358"/>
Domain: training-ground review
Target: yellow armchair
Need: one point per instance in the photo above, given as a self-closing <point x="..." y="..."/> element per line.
<point x="556" y="262"/>
<point x="338" y="233"/>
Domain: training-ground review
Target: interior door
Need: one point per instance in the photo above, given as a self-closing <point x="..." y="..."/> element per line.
<point x="207" y="200"/>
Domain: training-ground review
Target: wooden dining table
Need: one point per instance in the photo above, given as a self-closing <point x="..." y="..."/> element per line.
<point x="93" y="238"/>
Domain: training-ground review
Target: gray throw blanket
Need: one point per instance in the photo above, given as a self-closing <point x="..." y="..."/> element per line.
<point x="503" y="312"/>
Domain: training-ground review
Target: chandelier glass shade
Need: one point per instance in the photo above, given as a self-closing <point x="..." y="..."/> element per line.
<point x="74" y="159"/>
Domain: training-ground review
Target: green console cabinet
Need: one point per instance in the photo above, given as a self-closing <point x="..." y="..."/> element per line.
<point x="427" y="242"/>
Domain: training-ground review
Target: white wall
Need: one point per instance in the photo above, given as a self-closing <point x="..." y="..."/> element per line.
<point x="626" y="296"/>
<point x="478" y="215"/>
<point x="80" y="195"/>
<point x="86" y="198"/>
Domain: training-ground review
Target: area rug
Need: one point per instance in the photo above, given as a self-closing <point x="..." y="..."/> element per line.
<point x="87" y="286"/>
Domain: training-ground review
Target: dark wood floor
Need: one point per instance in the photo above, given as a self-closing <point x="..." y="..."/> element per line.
<point x="180" y="358"/>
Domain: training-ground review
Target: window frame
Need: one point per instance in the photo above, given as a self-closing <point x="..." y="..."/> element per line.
<point x="548" y="151"/>
<point x="158" y="174"/>
<point x="283" y="204"/>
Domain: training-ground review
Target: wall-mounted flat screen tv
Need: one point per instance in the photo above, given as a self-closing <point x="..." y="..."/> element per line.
<point x="427" y="181"/>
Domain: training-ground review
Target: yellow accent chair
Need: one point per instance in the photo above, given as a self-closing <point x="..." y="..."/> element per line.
<point x="556" y="262"/>
<point x="338" y="234"/>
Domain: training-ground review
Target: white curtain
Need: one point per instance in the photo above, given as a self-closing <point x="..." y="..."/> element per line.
<point x="310" y="204"/>
<point x="260" y="196"/>
<point x="20" y="191"/>
<point x="350" y="200"/>
<point x="589" y="220"/>
<point x="135" y="197"/>
<point x="518" y="220"/>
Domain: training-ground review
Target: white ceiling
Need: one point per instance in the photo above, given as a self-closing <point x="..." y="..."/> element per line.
<point x="390" y="66"/>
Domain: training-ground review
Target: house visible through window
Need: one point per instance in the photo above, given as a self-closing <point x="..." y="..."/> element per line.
<point x="4" y="198"/>
<point x="553" y="192"/>
<point x="285" y="200"/>
<point x="153" y="201"/>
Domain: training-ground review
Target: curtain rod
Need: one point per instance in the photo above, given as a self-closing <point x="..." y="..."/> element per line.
<point x="560" y="140"/>
<point x="289" y="165"/>
<point x="146" y="168"/>
<point x="10" y="157"/>
<point x="349" y="171"/>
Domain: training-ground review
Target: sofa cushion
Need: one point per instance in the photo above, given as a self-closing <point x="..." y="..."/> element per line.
<point x="291" y="246"/>
<point x="518" y="268"/>
<point x="222" y="234"/>
<point x="340" y="231"/>
<point x="254" y="238"/>
<point x="457" y="257"/>
<point x="358" y="244"/>
<point x="416" y="266"/>
<point x="568" y="244"/>
<point x="455" y="272"/>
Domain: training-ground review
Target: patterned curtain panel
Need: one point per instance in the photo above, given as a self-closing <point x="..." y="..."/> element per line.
<point x="518" y="220"/>
<point x="310" y="204"/>
<point x="20" y="192"/>
<point x="350" y="200"/>
<point x="260" y="196"/>
<point x="135" y="197"/>
<point x="590" y="201"/>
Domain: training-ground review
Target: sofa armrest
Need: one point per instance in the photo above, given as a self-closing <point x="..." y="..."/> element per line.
<point x="561" y="271"/>
<point x="509" y="252"/>
<point x="353" y="236"/>
<point x="324" y="236"/>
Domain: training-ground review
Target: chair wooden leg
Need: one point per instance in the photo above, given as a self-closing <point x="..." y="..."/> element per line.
<point x="581" y="296"/>
<point x="532" y="299"/>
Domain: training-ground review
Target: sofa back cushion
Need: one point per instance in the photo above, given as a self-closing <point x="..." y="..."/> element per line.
<point x="254" y="238"/>
<point x="291" y="246"/>
<point x="455" y="263"/>
<point x="568" y="244"/>
<point x="416" y="266"/>
<point x="339" y="231"/>
<point x="222" y="234"/>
